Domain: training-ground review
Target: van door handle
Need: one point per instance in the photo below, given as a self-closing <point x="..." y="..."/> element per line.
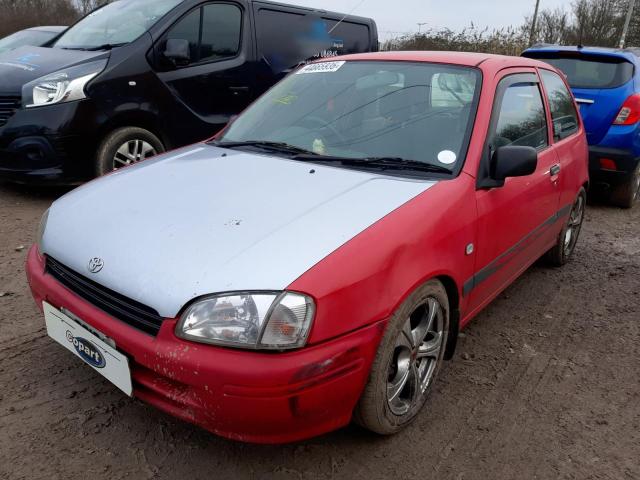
<point x="554" y="170"/>
<point x="237" y="90"/>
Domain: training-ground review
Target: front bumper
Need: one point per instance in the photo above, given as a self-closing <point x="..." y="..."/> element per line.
<point x="625" y="160"/>
<point x="52" y="144"/>
<point x="242" y="395"/>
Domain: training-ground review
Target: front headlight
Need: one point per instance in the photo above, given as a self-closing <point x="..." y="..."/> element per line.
<point x="257" y="320"/>
<point x="41" y="228"/>
<point x="63" y="86"/>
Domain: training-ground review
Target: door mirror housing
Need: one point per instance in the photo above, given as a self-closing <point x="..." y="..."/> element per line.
<point x="177" y="51"/>
<point x="510" y="161"/>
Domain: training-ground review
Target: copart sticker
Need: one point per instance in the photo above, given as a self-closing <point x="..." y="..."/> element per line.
<point x="323" y="67"/>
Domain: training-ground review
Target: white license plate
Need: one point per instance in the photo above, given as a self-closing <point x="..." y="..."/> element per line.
<point x="103" y="358"/>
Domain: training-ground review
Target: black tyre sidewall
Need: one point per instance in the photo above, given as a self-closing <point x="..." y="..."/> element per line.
<point x="115" y="139"/>
<point x="557" y="255"/>
<point x="623" y="195"/>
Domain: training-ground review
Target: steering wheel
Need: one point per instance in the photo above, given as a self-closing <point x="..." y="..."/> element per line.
<point x="322" y="123"/>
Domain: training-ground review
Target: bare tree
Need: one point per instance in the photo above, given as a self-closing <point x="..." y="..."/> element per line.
<point x="597" y="22"/>
<point x="20" y="14"/>
<point x="85" y="6"/>
<point x="633" y="35"/>
<point x="553" y="26"/>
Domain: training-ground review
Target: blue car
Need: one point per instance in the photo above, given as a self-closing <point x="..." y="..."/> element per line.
<point x="606" y="84"/>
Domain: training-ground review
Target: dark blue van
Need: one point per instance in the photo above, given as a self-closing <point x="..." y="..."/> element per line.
<point x="606" y="84"/>
<point x="138" y="77"/>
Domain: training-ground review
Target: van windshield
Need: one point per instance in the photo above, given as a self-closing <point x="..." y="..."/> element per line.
<point x="585" y="71"/>
<point x="115" y="24"/>
<point x="362" y="110"/>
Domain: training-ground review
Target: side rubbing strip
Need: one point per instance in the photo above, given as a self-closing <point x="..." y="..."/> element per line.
<point x="501" y="260"/>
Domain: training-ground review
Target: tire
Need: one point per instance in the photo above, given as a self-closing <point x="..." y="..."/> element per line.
<point x="627" y="194"/>
<point x="378" y="410"/>
<point x="564" y="248"/>
<point x="126" y="146"/>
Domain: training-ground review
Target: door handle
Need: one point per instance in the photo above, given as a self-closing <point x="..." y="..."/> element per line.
<point x="237" y="90"/>
<point x="554" y="170"/>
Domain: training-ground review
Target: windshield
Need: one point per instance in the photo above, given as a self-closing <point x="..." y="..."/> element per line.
<point x="591" y="71"/>
<point x="421" y="112"/>
<point x="25" y="37"/>
<point x="117" y="23"/>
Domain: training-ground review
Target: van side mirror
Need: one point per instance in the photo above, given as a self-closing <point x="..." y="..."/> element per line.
<point x="513" y="161"/>
<point x="177" y="51"/>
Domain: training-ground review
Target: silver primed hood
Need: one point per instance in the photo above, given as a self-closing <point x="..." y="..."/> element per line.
<point x="194" y="222"/>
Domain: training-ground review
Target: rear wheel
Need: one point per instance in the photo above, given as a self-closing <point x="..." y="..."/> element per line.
<point x="126" y="146"/>
<point x="560" y="254"/>
<point x="627" y="194"/>
<point x="407" y="362"/>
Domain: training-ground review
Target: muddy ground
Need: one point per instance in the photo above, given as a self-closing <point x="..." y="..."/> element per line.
<point x="545" y="385"/>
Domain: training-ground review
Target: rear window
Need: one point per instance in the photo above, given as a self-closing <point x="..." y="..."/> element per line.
<point x="591" y="71"/>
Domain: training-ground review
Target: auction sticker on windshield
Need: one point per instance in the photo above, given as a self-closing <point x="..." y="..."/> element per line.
<point x="103" y="358"/>
<point x="323" y="67"/>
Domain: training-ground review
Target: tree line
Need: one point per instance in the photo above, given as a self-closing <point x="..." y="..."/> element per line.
<point x="586" y="22"/>
<point x="19" y="14"/>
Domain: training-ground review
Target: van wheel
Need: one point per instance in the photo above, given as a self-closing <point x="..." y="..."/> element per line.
<point x="560" y="254"/>
<point x="407" y="363"/>
<point x="627" y="194"/>
<point x="126" y="146"/>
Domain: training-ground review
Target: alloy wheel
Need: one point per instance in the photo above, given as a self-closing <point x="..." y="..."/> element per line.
<point x="415" y="358"/>
<point x="574" y="225"/>
<point x="132" y="151"/>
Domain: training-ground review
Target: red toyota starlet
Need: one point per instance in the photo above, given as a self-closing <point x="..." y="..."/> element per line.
<point x="314" y="263"/>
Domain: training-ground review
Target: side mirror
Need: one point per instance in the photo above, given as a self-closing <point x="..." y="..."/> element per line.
<point x="513" y="161"/>
<point x="177" y="51"/>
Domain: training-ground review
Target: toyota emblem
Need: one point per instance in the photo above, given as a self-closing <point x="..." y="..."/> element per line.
<point x="95" y="265"/>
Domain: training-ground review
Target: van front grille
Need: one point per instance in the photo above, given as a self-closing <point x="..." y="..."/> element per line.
<point x="8" y="107"/>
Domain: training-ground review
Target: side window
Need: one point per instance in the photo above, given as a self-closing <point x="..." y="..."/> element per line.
<point x="279" y="39"/>
<point x="220" y="34"/>
<point x="221" y="29"/>
<point x="563" y="111"/>
<point x="521" y="119"/>
<point x="188" y="28"/>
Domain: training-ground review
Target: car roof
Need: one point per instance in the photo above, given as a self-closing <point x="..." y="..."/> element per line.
<point x="48" y="28"/>
<point x="631" y="53"/>
<point x="467" y="59"/>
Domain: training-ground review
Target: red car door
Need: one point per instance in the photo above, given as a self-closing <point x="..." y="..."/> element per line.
<point x="569" y="140"/>
<point x="515" y="220"/>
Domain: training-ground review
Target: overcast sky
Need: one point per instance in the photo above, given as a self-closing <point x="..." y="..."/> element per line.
<point x="400" y="16"/>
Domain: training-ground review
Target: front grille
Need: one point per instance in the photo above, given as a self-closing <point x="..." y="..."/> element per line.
<point x="118" y="306"/>
<point x="8" y="106"/>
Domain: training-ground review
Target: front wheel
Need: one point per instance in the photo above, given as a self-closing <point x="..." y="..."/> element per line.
<point x="561" y="253"/>
<point x="126" y="146"/>
<point x="407" y="362"/>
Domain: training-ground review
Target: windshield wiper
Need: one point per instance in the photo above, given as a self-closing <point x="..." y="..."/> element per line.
<point x="273" y="146"/>
<point x="106" y="46"/>
<point x="384" y="163"/>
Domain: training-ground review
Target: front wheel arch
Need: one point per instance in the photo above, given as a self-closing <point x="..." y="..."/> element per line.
<point x="454" y="314"/>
